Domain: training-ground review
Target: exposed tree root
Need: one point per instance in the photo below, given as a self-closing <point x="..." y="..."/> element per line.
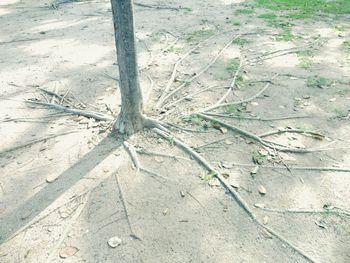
<point x="220" y="105"/>
<point x="254" y="137"/>
<point x="242" y="203"/>
<point x="312" y="133"/>
<point x="147" y="152"/>
<point x="122" y="198"/>
<point x="159" y="7"/>
<point x="34" y="142"/>
<point x="300" y="168"/>
<point x="335" y="210"/>
<point x="257" y="118"/>
<point x="133" y="155"/>
<point x="89" y="114"/>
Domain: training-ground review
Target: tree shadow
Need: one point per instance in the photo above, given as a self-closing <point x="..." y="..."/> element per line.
<point x="22" y="215"/>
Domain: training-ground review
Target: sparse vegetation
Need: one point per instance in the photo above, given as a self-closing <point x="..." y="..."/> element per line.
<point x="245" y="11"/>
<point x="232" y="65"/>
<point x="302" y="9"/>
<point x="199" y="34"/>
<point x="305" y="60"/>
<point x="340" y="113"/>
<point x="318" y="82"/>
<point x="346" y="45"/>
<point x="240" y="41"/>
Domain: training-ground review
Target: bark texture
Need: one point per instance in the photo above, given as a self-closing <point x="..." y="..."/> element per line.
<point x="130" y="119"/>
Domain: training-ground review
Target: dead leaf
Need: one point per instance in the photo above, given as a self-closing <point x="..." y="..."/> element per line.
<point x="262" y="190"/>
<point x="114" y="241"/>
<point x="63" y="213"/>
<point x="51" y="178"/>
<point x="214" y="182"/>
<point x="223" y="130"/>
<point x="234" y="184"/>
<point x="67" y="252"/>
<point x="321" y="224"/>
<point x="166" y="211"/>
<point x="226" y="165"/>
<point x="265" y="220"/>
<point x="225" y="175"/>
<point x="255" y="170"/>
<point x="158" y="159"/>
<point x="228" y="142"/>
<point x="263" y="152"/>
<point x="259" y="205"/>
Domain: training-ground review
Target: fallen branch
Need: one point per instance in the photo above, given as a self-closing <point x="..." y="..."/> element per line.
<point x="89" y="114"/>
<point x="185" y="83"/>
<point x="34" y="142"/>
<point x="284" y="52"/>
<point x="216" y="105"/>
<point x="228" y="91"/>
<point x="242" y="203"/>
<point x="188" y="97"/>
<point x="212" y="142"/>
<point x="54" y="94"/>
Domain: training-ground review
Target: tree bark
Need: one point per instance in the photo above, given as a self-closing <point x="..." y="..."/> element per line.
<point x="130" y="119"/>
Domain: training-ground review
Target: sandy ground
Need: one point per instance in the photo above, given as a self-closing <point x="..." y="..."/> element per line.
<point x="63" y="178"/>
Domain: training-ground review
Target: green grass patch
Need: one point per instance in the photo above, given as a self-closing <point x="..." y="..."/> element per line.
<point x="232" y="65"/>
<point x="240" y="41"/>
<point x="346" y="45"/>
<point x="305" y="60"/>
<point x="246" y="11"/>
<point x="301" y="9"/>
<point x="235" y="23"/>
<point x="194" y="119"/>
<point x="340" y="113"/>
<point x="318" y="82"/>
<point x="199" y="34"/>
<point x="285" y="35"/>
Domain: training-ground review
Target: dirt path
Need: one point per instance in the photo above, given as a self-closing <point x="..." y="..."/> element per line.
<point x="67" y="185"/>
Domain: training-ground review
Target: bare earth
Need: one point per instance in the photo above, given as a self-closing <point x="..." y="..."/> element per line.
<point x="61" y="198"/>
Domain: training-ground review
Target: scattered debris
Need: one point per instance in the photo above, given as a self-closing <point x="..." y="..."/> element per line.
<point x="114" y="242"/>
<point x="67" y="252"/>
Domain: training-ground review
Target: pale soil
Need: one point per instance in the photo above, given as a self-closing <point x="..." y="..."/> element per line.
<point x="72" y="47"/>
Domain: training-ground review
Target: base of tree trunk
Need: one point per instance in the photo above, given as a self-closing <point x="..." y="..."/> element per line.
<point x="128" y="125"/>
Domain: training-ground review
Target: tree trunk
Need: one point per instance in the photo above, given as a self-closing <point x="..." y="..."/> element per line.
<point x="130" y="119"/>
